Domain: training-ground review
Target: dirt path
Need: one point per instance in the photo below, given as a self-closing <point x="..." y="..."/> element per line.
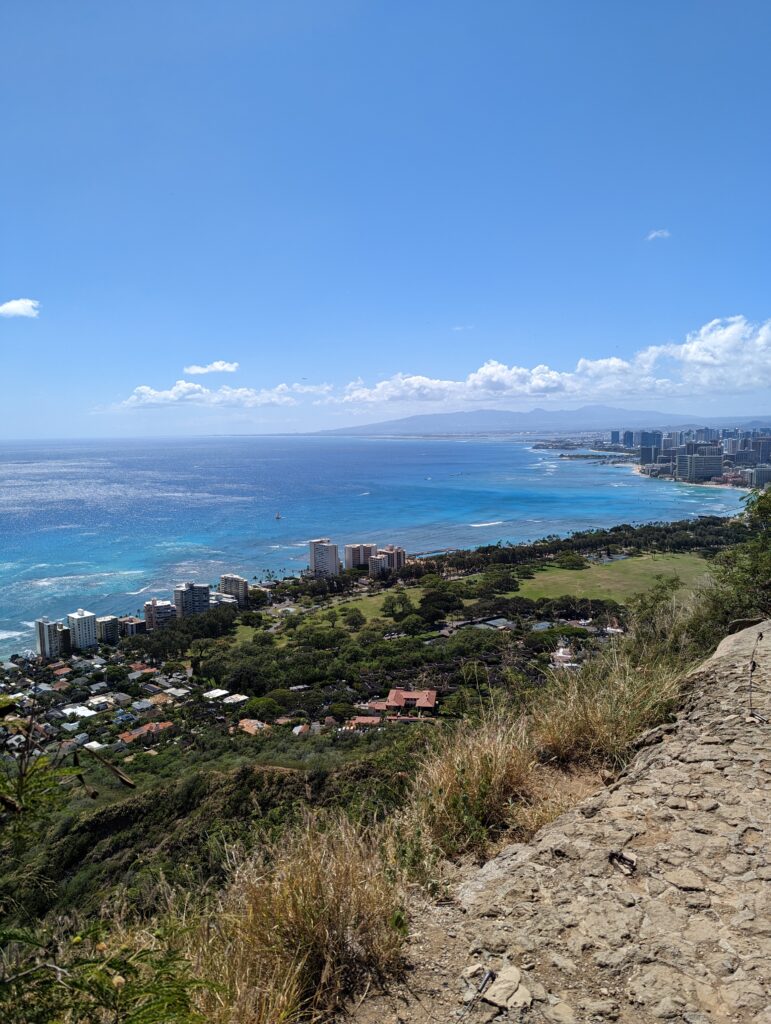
<point x="676" y="928"/>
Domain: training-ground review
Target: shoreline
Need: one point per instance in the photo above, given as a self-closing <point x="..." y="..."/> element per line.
<point x="513" y="483"/>
<point x="687" y="483"/>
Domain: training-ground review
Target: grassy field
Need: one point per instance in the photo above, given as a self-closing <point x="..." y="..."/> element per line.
<point x="371" y="607"/>
<point x="244" y="634"/>
<point x="615" y="581"/>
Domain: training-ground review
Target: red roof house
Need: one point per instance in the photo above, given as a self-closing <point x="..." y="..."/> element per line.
<point x="145" y="731"/>
<point x="406" y="700"/>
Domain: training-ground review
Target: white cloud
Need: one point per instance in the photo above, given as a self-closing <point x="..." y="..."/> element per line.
<point x="463" y="327"/>
<point x="723" y="357"/>
<point x="20" y="307"/>
<point x="312" y="389"/>
<point x="658" y="233"/>
<point x="727" y="356"/>
<point x="218" y="366"/>
<point x="186" y="392"/>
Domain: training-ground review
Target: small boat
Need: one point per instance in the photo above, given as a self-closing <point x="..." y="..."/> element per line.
<point x="278" y="515"/>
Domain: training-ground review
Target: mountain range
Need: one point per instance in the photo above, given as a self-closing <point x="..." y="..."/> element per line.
<point x="588" y="417"/>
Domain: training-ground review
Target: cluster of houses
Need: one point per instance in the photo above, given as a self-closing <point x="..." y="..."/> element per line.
<point x="71" y="704"/>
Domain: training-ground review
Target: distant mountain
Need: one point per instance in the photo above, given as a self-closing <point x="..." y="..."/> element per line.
<point x="484" y="421"/>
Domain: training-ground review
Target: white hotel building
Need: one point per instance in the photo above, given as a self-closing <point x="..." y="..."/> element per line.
<point x="236" y="586"/>
<point x="82" y="625"/>
<point x="323" y="557"/>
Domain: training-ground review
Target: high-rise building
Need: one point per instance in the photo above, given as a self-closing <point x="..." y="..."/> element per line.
<point x="217" y="598"/>
<point x="236" y="586"/>
<point x="82" y="630"/>
<point x="323" y="558"/>
<point x="107" y="629"/>
<point x="761" y="475"/>
<point x="694" y="468"/>
<point x="357" y="556"/>
<point x="48" y="636"/>
<point x="651" y="438"/>
<point x="648" y="454"/>
<point x="191" y="599"/>
<point x="130" y="625"/>
<point x="761" y="446"/>
<point x="745" y="457"/>
<point x="615" y="436"/>
<point x="628" y="439"/>
<point x="396" y="557"/>
<point x="159" y="613"/>
<point x="378" y="565"/>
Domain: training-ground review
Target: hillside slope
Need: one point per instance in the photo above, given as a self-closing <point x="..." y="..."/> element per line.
<point x="678" y="928"/>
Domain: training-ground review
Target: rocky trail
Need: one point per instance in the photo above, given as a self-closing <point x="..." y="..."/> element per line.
<point x="648" y="901"/>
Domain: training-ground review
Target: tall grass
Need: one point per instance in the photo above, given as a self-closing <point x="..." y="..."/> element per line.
<point x="301" y="925"/>
<point x="469" y="784"/>
<point x="593" y="716"/>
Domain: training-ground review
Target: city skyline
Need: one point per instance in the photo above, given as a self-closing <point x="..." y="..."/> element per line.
<point x="288" y="218"/>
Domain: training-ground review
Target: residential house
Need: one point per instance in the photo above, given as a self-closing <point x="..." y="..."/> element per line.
<point x="146" y="733"/>
<point x="406" y="700"/>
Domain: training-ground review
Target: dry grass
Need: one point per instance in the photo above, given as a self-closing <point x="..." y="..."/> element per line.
<point x="595" y="714"/>
<point x="469" y="785"/>
<point x="300" y="927"/>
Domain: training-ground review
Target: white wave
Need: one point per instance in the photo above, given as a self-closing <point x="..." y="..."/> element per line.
<point x="11" y="634"/>
<point x="29" y="625"/>
<point x="82" y="580"/>
<point x="496" y="522"/>
<point x="133" y="593"/>
<point x="364" y="494"/>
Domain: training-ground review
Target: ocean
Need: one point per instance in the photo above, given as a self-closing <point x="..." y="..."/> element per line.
<point x="106" y="525"/>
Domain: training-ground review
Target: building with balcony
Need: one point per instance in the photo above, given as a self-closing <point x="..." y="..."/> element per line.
<point x="191" y="599"/>
<point x="82" y="626"/>
<point x="235" y="586"/>
<point x="323" y="558"/>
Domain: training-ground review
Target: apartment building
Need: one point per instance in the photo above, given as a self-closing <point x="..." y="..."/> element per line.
<point x="159" y="613"/>
<point x="82" y="626"/>
<point x="107" y="629"/>
<point x="48" y="637"/>
<point x="130" y="625"/>
<point x="357" y="556"/>
<point x="235" y="586"/>
<point x="323" y="558"/>
<point x="395" y="556"/>
<point x="191" y="599"/>
<point x="378" y="565"/>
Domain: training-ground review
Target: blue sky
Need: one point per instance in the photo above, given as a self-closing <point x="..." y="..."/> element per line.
<point x="376" y="209"/>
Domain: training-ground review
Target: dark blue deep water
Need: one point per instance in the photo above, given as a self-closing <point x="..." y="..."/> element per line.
<point x="105" y="525"/>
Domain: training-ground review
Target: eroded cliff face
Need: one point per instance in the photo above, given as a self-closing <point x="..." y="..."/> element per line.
<point x="649" y="901"/>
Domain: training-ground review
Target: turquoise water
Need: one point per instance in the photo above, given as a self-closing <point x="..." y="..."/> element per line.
<point x="105" y="525"/>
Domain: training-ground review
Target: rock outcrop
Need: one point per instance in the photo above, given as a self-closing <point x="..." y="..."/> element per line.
<point x="649" y="901"/>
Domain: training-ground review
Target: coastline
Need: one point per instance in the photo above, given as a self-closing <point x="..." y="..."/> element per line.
<point x="687" y="483"/>
<point x="107" y="529"/>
